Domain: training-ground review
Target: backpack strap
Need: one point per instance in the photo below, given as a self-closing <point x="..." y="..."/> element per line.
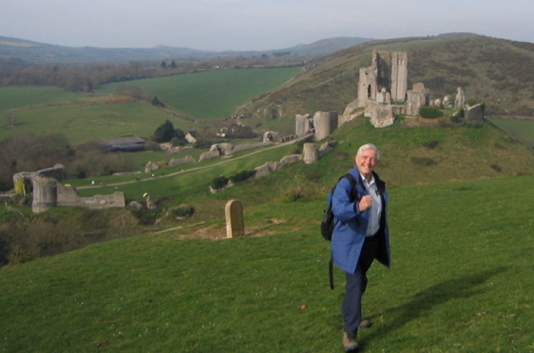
<point x="353" y="183"/>
<point x="331" y="272"/>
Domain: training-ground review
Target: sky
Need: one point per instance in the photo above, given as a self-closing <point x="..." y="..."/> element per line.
<point x="239" y="25"/>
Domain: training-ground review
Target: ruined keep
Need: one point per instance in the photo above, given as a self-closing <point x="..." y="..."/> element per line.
<point x="388" y="73"/>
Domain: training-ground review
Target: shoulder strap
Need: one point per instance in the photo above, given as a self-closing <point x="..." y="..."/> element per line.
<point x="353" y="183"/>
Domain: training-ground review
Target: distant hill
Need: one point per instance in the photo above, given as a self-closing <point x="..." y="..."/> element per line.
<point x="495" y="71"/>
<point x="327" y="46"/>
<point x="41" y="52"/>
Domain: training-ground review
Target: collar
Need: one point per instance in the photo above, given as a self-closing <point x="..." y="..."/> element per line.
<point x="368" y="182"/>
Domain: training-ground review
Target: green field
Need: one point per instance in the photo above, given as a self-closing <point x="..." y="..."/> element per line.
<point x="91" y="119"/>
<point x="214" y="94"/>
<point x="460" y="282"/>
<point x="522" y="130"/>
<point x="22" y="97"/>
<point x="208" y="95"/>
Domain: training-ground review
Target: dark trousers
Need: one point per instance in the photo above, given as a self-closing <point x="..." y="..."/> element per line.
<point x="356" y="285"/>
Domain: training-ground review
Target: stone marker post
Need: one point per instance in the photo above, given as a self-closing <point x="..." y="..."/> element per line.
<point x="235" y="222"/>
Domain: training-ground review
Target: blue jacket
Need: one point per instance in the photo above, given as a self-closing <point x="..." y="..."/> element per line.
<point x="350" y="224"/>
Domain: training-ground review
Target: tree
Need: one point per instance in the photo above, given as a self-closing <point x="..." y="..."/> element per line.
<point x="173" y="64"/>
<point x="165" y="132"/>
<point x="157" y="102"/>
<point x="163" y="64"/>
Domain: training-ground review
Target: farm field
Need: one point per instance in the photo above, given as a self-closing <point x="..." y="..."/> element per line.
<point x="522" y="130"/>
<point x="214" y="94"/>
<point x="91" y="118"/>
<point x="208" y="95"/>
<point x="21" y="97"/>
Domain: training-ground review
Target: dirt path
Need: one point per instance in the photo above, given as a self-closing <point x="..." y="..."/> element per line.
<point x="227" y="160"/>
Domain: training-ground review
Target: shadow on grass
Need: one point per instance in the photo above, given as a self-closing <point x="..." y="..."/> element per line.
<point x="425" y="300"/>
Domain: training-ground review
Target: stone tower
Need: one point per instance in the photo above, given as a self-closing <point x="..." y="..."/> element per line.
<point x="325" y="123"/>
<point x="44" y="193"/>
<point x="387" y="73"/>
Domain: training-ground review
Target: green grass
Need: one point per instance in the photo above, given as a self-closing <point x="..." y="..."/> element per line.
<point x="460" y="282"/>
<point x="191" y="183"/>
<point x="214" y="94"/>
<point x="522" y="130"/>
<point x="207" y="95"/>
<point x="92" y="118"/>
<point x="22" y="97"/>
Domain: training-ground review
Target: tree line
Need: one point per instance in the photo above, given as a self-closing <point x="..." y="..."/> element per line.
<point x="88" y="76"/>
<point x="30" y="152"/>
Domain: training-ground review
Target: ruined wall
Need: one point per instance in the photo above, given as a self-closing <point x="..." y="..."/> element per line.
<point x="366" y="86"/>
<point x="68" y="196"/>
<point x="303" y="125"/>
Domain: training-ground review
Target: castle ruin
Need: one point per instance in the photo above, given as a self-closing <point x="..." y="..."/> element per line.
<point x="385" y="80"/>
<point x="382" y="94"/>
<point x="49" y="193"/>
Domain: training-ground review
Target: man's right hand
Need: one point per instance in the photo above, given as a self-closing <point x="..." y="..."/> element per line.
<point x="365" y="203"/>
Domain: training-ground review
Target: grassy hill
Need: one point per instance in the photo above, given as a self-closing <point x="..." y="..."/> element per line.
<point x="461" y="249"/>
<point x="492" y="70"/>
<point x="87" y="118"/>
<point x="461" y="266"/>
<point x="410" y="156"/>
<point x="212" y="95"/>
<point x="204" y="96"/>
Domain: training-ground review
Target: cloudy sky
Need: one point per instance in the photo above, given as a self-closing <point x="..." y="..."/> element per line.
<point x="255" y="24"/>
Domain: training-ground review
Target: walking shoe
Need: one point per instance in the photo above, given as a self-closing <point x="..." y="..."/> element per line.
<point x="365" y="324"/>
<point x="349" y="342"/>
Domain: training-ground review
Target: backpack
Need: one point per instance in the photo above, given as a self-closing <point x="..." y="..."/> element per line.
<point x="327" y="224"/>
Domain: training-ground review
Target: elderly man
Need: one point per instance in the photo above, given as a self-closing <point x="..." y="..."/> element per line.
<point x="360" y="235"/>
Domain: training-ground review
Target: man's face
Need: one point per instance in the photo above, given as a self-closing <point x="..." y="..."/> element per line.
<point x="366" y="162"/>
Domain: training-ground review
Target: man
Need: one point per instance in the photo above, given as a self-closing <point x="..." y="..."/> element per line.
<point x="360" y="235"/>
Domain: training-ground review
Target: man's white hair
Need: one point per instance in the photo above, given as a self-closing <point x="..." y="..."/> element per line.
<point x="368" y="146"/>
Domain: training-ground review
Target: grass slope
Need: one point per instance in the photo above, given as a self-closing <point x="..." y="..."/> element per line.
<point x="92" y="118"/>
<point x="460" y="282"/>
<point x="522" y="130"/>
<point x="22" y="97"/>
<point x="460" y="153"/>
<point x="207" y="95"/>
<point x="214" y="94"/>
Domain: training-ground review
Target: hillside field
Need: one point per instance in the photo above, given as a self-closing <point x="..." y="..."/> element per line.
<point x="521" y="130"/>
<point x="214" y="94"/>
<point x="461" y="242"/>
<point x="460" y="282"/>
<point x="207" y="95"/>
<point x="13" y="97"/>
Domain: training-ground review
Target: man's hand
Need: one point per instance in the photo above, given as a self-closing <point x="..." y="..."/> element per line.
<point x="365" y="203"/>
